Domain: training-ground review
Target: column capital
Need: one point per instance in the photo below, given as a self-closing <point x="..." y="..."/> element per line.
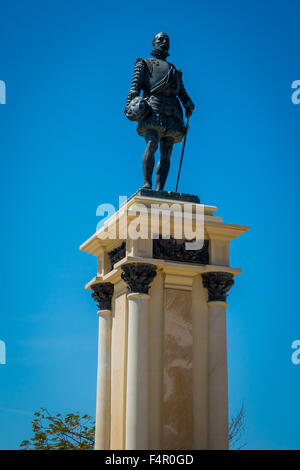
<point x="218" y="284"/>
<point x="102" y="294"/>
<point x="138" y="277"/>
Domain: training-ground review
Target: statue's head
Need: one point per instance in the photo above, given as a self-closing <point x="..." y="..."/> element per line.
<point x="161" y="45"/>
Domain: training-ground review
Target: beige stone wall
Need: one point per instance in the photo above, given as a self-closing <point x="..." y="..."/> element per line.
<point x="177" y="391"/>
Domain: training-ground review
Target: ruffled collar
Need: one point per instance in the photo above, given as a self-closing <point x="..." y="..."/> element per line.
<point x="159" y="54"/>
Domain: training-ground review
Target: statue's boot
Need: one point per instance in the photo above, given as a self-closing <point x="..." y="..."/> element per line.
<point x="163" y="166"/>
<point x="149" y="157"/>
<point x="148" y="170"/>
<point x="162" y="171"/>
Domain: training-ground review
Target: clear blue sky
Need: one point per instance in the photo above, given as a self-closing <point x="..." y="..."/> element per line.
<point x="66" y="147"/>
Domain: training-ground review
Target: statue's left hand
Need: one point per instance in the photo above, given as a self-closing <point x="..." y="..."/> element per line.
<point x="189" y="110"/>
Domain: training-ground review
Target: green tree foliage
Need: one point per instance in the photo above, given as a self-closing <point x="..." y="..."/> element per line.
<point x="73" y="431"/>
<point x="59" y="432"/>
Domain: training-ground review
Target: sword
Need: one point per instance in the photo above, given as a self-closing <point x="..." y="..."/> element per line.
<point x="182" y="152"/>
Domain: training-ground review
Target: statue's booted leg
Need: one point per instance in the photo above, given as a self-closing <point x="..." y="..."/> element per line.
<point x="163" y="166"/>
<point x="151" y="138"/>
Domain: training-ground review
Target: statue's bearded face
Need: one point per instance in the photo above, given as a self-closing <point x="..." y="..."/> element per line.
<point x="161" y="42"/>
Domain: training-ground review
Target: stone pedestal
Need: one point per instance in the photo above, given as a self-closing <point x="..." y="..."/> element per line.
<point x="162" y="366"/>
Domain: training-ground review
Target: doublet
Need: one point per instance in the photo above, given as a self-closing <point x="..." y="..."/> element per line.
<point x="162" y="87"/>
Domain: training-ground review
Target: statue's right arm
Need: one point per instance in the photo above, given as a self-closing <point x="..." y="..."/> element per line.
<point x="137" y="80"/>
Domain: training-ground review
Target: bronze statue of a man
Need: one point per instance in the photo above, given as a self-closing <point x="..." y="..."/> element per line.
<point x="158" y="112"/>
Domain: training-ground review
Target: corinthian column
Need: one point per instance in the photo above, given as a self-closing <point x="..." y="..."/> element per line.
<point x="218" y="284"/>
<point x="138" y="277"/>
<point x="102" y="294"/>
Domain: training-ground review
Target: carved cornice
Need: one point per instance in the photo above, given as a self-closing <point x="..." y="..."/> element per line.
<point x="102" y="294"/>
<point x="117" y="254"/>
<point x="138" y="276"/>
<point x="218" y="284"/>
<point x="174" y="250"/>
